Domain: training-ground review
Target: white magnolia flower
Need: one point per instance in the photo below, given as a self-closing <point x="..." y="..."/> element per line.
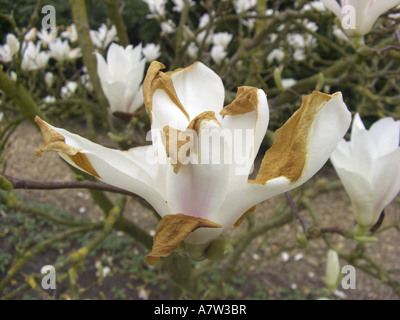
<point x="218" y="54"/>
<point x="168" y="26"/>
<point x="192" y="50"/>
<point x="156" y="7"/>
<point x="276" y="54"/>
<point x="30" y="35"/>
<point x="70" y="33"/>
<point x="13" y="43"/>
<point x="369" y="167"/>
<point x="47" y="37"/>
<point x="121" y="77"/>
<point x="332" y="271"/>
<point x="180" y="4"/>
<point x="359" y="16"/>
<point x="61" y="51"/>
<point x="151" y="52"/>
<point x="9" y="49"/>
<point x="287" y="83"/>
<point x="244" y="5"/>
<point x="33" y="58"/>
<point x="192" y="184"/>
<point x="104" y="36"/>
<point x="222" y="39"/>
<point x="69" y="89"/>
<point x="5" y="54"/>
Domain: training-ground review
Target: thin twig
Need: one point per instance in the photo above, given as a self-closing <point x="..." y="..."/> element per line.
<point x="37" y="185"/>
<point x="296" y="212"/>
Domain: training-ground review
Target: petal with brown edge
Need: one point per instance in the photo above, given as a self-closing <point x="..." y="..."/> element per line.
<point x="173" y="229"/>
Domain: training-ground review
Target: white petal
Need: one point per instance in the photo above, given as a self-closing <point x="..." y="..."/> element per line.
<point x="133" y="171"/>
<point x="199" y="89"/>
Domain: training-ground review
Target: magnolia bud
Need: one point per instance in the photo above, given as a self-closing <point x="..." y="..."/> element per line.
<point x="219" y="249"/>
<point x="332" y="272"/>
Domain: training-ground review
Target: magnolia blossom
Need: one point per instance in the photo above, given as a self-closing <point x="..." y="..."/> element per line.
<point x="69" y="89"/>
<point x="277" y="54"/>
<point x="47" y="37"/>
<point x="156" y="7"/>
<point x="195" y="172"/>
<point x="180" y="4"/>
<point x="70" y="33"/>
<point x="104" y="36"/>
<point x="358" y="16"/>
<point x="61" y="51"/>
<point x="9" y="49"/>
<point x="168" y="26"/>
<point x="151" y="52"/>
<point x="218" y="54"/>
<point x="30" y="35"/>
<point x="33" y="58"/>
<point x="121" y="77"/>
<point x="222" y="39"/>
<point x="287" y="83"/>
<point x="369" y="167"/>
<point x="244" y="5"/>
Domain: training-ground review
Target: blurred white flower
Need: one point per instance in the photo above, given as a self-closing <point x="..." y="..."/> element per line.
<point x="287" y="83"/>
<point x="332" y="271"/>
<point x="151" y="51"/>
<point x="244" y="5"/>
<point x="70" y="33"/>
<point x="156" y="7"/>
<point x="61" y="51"/>
<point x="13" y="76"/>
<point x="365" y="13"/>
<point x="9" y="49"/>
<point x="69" y="89"/>
<point x="339" y="34"/>
<point x="5" y="53"/>
<point x="33" y="58"/>
<point x="49" y="99"/>
<point x="369" y="167"/>
<point x="168" y="26"/>
<point x="104" y="36"/>
<point x="13" y="43"/>
<point x="47" y="37"/>
<point x="121" y="77"/>
<point x="192" y="50"/>
<point x="31" y="35"/>
<point x="180" y="4"/>
<point x="85" y="80"/>
<point x="276" y="54"/>
<point x="314" y="5"/>
<point x="218" y="54"/>
<point x="49" y="79"/>
<point x="222" y="39"/>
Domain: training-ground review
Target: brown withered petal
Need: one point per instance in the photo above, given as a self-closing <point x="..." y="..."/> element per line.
<point x="54" y="141"/>
<point x="155" y="79"/>
<point x="177" y="145"/>
<point x="287" y="155"/>
<point x="240" y="220"/>
<point x="173" y="229"/>
<point x="246" y="101"/>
